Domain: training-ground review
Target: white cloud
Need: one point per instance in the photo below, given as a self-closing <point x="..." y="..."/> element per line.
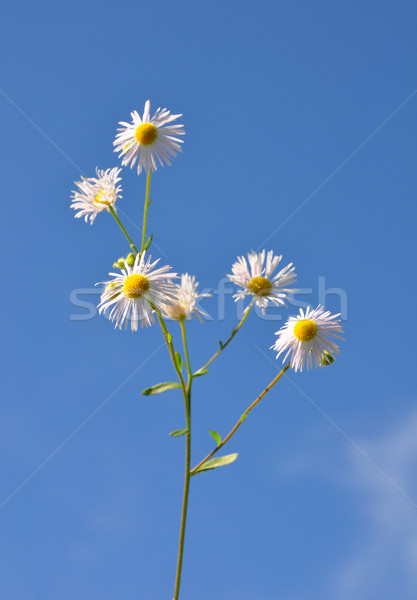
<point x="380" y="535"/>
<point x="384" y="565"/>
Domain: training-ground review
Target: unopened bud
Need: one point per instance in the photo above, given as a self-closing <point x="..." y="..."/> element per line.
<point x="130" y="259"/>
<point x="327" y="359"/>
<point x="119" y="264"/>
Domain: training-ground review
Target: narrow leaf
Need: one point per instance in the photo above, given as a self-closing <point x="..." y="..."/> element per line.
<point x="178" y="432"/>
<point x="216" y="436"/>
<point x="178" y="361"/>
<point x="149" y="241"/>
<point x="243" y="417"/>
<point x="217" y="462"/>
<point x="169" y="338"/>
<point x="200" y="373"/>
<point x="161" y="387"/>
<point x="221" y="344"/>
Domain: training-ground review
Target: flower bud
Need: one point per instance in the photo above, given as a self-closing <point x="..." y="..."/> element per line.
<point x="327" y="359"/>
<point x="120" y="263"/>
<point x="130" y="259"/>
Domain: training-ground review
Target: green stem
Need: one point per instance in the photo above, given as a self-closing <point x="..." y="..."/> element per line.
<point x="118" y="221"/>
<point x="187" y="358"/>
<point x="186" y="389"/>
<point x="170" y="346"/>
<point x="242" y="418"/>
<point x="187" y="466"/>
<point x="234" y="332"/>
<point x="145" y="211"/>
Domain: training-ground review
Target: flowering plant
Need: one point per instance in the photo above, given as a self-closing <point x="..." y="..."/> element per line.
<point x="143" y="292"/>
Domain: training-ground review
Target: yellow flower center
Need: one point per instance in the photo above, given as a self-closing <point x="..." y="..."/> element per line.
<point x="146" y="134"/>
<point x="98" y="198"/>
<point x="305" y="330"/>
<point x="260" y="286"/>
<point x="135" y="285"/>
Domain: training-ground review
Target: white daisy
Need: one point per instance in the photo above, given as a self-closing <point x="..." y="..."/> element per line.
<point x="96" y="194"/>
<point x="148" y="140"/>
<point x="259" y="281"/>
<point x="184" y="305"/>
<point x="306" y="338"/>
<point x="128" y="294"/>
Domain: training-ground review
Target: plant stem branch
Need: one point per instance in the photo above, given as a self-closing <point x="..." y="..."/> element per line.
<point x="186" y="390"/>
<point x="170" y="346"/>
<point x="187" y="466"/>
<point x="234" y="332"/>
<point x="242" y="418"/>
<point x="187" y="358"/>
<point x="118" y="221"/>
<point x="145" y="212"/>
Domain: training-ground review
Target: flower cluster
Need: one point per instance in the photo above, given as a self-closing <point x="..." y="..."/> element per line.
<point x="141" y="289"/>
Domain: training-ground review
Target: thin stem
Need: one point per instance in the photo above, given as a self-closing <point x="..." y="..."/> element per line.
<point x="170" y="346"/>
<point x="187" y="358"/>
<point x="187" y="466"/>
<point x="242" y="418"/>
<point x="145" y="212"/>
<point x="234" y="332"/>
<point x="186" y="389"/>
<point x="118" y="221"/>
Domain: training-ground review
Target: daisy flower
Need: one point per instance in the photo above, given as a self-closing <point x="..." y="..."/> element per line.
<point x="258" y="280"/>
<point x="147" y="140"/>
<point x="184" y="305"/>
<point x="306" y="338"/>
<point x="128" y="294"/>
<point x="96" y="194"/>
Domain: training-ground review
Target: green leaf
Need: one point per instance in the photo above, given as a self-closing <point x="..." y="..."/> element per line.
<point x="221" y="344"/>
<point x="178" y="432"/>
<point x="243" y="417"/>
<point x="178" y="361"/>
<point x="161" y="387"/>
<point x="169" y="338"/>
<point x="200" y="373"/>
<point x="149" y="241"/>
<point x="216" y="436"/>
<point x="216" y="462"/>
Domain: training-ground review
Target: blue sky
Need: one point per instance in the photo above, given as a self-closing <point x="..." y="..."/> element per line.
<point x="300" y="121"/>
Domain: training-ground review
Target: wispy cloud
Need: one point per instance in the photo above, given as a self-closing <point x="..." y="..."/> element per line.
<point x="384" y="564"/>
<point x="382" y="558"/>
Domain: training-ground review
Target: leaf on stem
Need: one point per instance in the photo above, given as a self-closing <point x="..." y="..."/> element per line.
<point x="161" y="387"/>
<point x="216" y="462"/>
<point x="149" y="241"/>
<point x="221" y="345"/>
<point x="178" y="361"/>
<point x="216" y="436"/>
<point x="243" y="417"/>
<point x="169" y="338"/>
<point x="200" y="373"/>
<point x="178" y="432"/>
